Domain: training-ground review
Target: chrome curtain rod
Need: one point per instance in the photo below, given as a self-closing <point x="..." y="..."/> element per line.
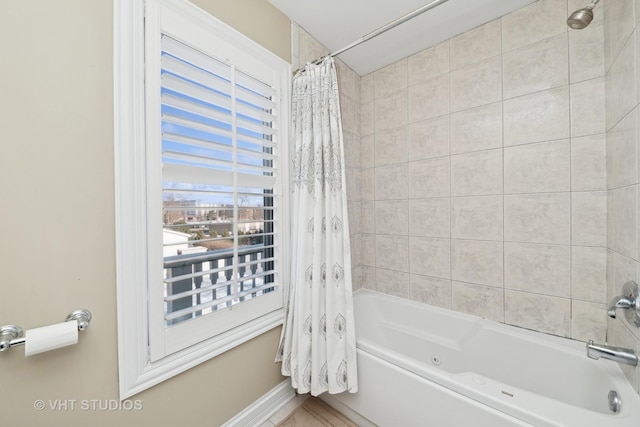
<point x="384" y="29"/>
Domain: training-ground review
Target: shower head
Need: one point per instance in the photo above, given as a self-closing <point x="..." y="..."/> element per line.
<point x="582" y="17"/>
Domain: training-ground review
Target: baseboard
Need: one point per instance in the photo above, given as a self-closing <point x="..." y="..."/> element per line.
<point x="262" y="409"/>
<point x="346" y="411"/>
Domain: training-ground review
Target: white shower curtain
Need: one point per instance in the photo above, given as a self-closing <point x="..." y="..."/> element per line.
<point x="317" y="345"/>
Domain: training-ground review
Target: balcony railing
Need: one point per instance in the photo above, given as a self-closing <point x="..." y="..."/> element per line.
<point x="198" y="284"/>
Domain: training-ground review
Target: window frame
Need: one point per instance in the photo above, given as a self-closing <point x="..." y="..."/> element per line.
<point x="132" y="20"/>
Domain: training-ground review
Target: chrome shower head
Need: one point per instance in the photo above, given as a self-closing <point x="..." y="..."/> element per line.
<point x="581" y="18"/>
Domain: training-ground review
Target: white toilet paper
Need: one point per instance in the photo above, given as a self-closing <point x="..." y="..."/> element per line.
<point x="47" y="338"/>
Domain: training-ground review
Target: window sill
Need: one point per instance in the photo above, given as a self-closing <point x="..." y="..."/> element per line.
<point x="155" y="372"/>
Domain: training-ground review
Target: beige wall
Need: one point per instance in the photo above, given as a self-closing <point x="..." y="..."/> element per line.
<point x="57" y="221"/>
<point x="622" y="49"/>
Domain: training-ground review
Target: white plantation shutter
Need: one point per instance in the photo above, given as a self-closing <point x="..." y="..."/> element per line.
<point x="214" y="165"/>
<point x="201" y="119"/>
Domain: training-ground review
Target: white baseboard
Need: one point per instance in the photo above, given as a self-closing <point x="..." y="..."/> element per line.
<point x="346" y="411"/>
<point x="262" y="409"/>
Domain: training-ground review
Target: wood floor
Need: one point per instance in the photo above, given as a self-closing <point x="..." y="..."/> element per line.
<point x="315" y="413"/>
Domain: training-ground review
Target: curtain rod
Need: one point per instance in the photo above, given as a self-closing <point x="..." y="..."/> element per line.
<point x="383" y="29"/>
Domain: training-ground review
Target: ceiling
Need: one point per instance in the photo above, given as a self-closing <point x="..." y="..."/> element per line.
<point x="338" y="23"/>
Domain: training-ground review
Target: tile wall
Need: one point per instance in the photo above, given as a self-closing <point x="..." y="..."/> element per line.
<point x="483" y="174"/>
<point x="489" y="174"/>
<point x="622" y="53"/>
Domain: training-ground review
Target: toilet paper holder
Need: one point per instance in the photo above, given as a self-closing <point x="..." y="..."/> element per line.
<point x="13" y="336"/>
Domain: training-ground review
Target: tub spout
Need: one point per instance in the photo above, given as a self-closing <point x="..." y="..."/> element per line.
<point x="617" y="354"/>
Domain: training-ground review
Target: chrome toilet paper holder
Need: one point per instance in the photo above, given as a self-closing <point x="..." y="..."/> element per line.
<point x="13" y="336"/>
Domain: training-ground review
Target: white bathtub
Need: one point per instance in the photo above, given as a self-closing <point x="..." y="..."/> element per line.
<point x="424" y="366"/>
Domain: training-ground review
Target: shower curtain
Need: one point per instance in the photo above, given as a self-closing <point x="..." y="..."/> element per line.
<point x="317" y="345"/>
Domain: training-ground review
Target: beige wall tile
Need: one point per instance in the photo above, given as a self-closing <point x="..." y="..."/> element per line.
<point x="535" y="67"/>
<point x="618" y="24"/>
<point x="366" y="88"/>
<point x="429" y="178"/>
<point x="589" y="163"/>
<point x="367" y="219"/>
<point x="389" y="80"/>
<point x="351" y="149"/>
<point x="356" y="250"/>
<point x="392" y="282"/>
<point x="429" y="99"/>
<point x="392" y="217"/>
<point x="391" y="182"/>
<point x="537" y="21"/>
<point x="588" y="321"/>
<point x="368" y="253"/>
<point x="540" y="269"/>
<point x="348" y="81"/>
<point x="367" y="183"/>
<point x="349" y="114"/>
<point x="622" y="220"/>
<point x="476" y="261"/>
<point x="540" y="312"/>
<point x="588" y="116"/>
<point x="477" y="217"/>
<point x="430" y="257"/>
<point x="368" y="278"/>
<point x="482" y="301"/>
<point x="542" y="116"/>
<point x="367" y="118"/>
<point x="353" y="209"/>
<point x="391" y="146"/>
<point x="478" y="128"/>
<point x="589" y="218"/>
<point x="391" y="112"/>
<point x="352" y="177"/>
<point x="586" y="51"/>
<point x="620" y="270"/>
<point x="430" y="217"/>
<point x="477" y="173"/>
<point x="428" y="63"/>
<point x="538" y="218"/>
<point x="392" y="252"/>
<point x="621" y="85"/>
<point x="539" y="167"/>
<point x="429" y="138"/>
<point x="476" y="45"/>
<point x="430" y="290"/>
<point x="477" y="84"/>
<point x="622" y="152"/>
<point x="367" y="151"/>
<point x="589" y="274"/>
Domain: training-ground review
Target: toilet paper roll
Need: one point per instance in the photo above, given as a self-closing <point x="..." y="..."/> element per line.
<point x="47" y="338"/>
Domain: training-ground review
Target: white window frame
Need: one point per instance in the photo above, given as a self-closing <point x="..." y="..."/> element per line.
<point x="136" y="370"/>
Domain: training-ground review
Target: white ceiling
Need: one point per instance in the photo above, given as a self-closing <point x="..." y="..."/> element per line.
<point x="337" y="23"/>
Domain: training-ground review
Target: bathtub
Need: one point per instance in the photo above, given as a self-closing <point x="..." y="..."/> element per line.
<point x="424" y="366"/>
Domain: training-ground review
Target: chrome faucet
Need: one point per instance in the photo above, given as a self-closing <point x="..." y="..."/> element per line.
<point x="619" y="302"/>
<point x="629" y="301"/>
<point x="617" y="354"/>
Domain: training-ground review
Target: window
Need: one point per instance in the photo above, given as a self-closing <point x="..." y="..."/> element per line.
<point x="201" y="128"/>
